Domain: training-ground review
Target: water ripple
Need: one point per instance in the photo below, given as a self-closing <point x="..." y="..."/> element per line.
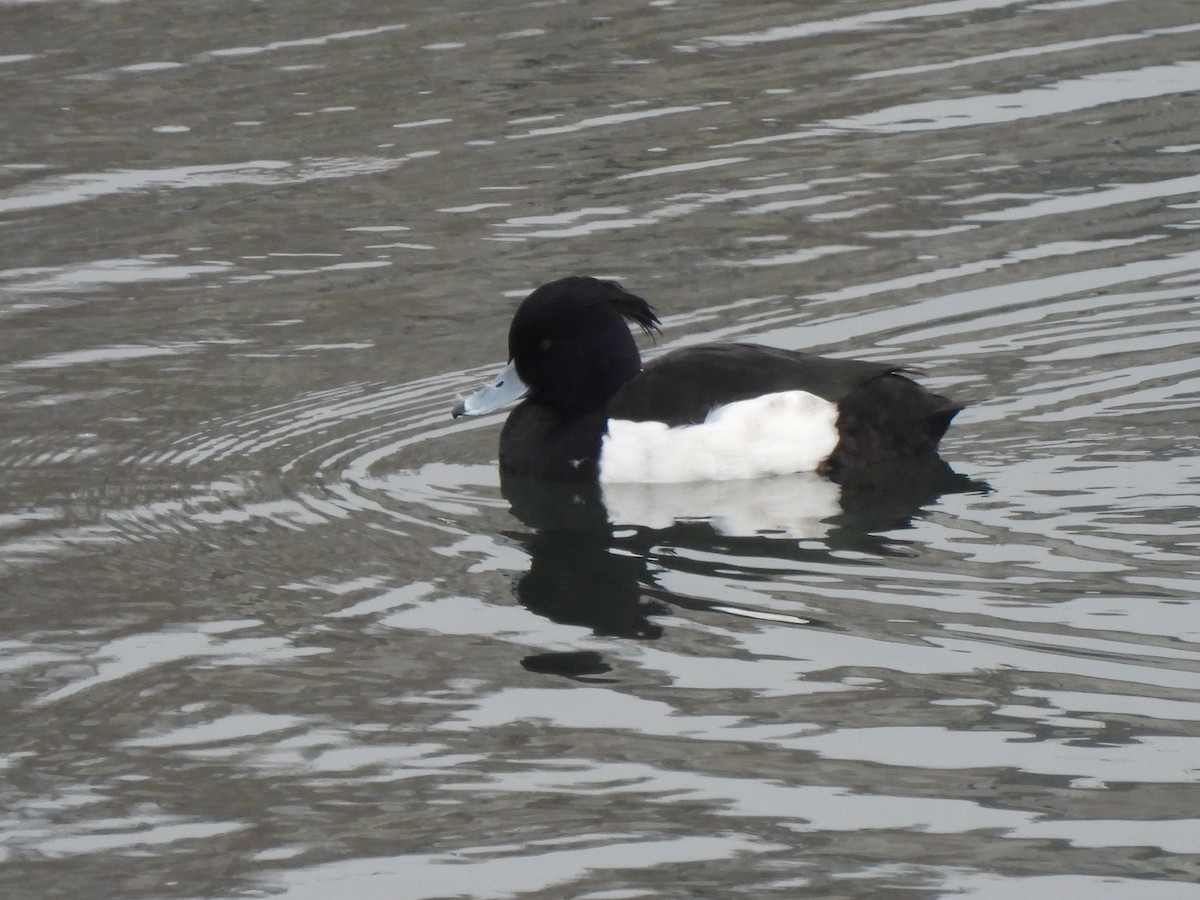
<point x="273" y="622"/>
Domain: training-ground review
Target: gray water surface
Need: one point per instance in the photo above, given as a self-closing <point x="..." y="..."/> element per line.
<point x="269" y="625"/>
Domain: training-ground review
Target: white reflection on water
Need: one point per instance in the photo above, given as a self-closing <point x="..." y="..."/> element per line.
<point x="983" y="886"/>
<point x="605" y="121"/>
<point x="94" y="273"/>
<point x="122" y="353"/>
<point x="128" y="656"/>
<point x="318" y="41"/>
<point x="803" y="808"/>
<point x="868" y="20"/>
<point x="1016" y="297"/>
<point x="795" y="506"/>
<point x="1020" y="53"/>
<point x="1150" y="758"/>
<point x="599" y="708"/>
<point x="1096" y="199"/>
<point x="290" y="746"/>
<point x="237" y="727"/>
<point x="77" y="188"/>
<point x="1167" y="835"/>
<point x="685" y="167"/>
<point x="125" y="834"/>
<point x="509" y="871"/>
<point x="1071" y="95"/>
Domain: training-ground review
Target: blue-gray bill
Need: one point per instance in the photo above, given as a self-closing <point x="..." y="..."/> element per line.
<point x="506" y="388"/>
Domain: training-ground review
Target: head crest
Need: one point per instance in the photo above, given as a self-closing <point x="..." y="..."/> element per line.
<point x="633" y="308"/>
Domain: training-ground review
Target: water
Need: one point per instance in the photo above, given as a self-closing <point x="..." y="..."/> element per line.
<point x="271" y="627"/>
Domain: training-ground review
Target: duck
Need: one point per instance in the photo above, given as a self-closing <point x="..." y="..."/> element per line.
<point x="589" y="411"/>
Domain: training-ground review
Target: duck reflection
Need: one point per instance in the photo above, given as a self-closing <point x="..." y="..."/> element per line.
<point x="579" y="573"/>
<point x="591" y="547"/>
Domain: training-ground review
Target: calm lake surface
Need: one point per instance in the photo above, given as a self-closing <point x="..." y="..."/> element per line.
<point x="271" y="627"/>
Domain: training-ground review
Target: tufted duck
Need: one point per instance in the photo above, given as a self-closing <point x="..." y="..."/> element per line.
<point x="708" y="412"/>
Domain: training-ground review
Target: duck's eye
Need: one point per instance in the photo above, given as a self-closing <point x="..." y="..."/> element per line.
<point x="545" y="345"/>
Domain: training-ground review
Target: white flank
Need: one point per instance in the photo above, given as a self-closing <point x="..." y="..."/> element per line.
<point x="775" y="434"/>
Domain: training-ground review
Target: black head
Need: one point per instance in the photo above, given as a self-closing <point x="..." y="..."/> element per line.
<point x="571" y="344"/>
